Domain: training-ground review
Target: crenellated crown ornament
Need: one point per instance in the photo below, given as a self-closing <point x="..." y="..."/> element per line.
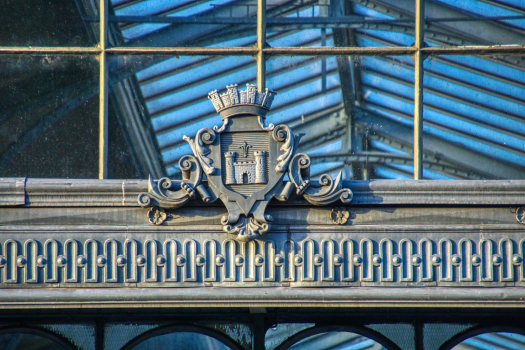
<point x="235" y="102"/>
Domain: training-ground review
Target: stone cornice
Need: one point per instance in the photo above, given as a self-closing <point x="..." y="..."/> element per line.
<point x="12" y="191"/>
<point x="262" y="297"/>
<point x="123" y="193"/>
<point x="79" y="243"/>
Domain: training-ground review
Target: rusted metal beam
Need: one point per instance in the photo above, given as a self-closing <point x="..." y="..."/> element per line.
<point x="187" y="51"/>
<point x="345" y="66"/>
<point x="261" y="44"/>
<point x="326" y="22"/>
<point x="468" y="27"/>
<point x="103" y="93"/>
<point x="418" y="57"/>
<point x="43" y="50"/>
<point x="334" y="51"/>
<point x="475" y="50"/>
<point x="489" y="50"/>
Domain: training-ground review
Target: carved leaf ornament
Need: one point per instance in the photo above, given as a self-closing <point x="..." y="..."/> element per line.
<point x="245" y="163"/>
<point x="157" y="215"/>
<point x="339" y="215"/>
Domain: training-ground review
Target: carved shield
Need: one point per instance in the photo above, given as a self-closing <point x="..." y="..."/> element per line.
<point x="245" y="162"/>
<point x="244" y="155"/>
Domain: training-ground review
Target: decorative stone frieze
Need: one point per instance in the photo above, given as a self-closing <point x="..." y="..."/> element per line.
<point x="303" y="262"/>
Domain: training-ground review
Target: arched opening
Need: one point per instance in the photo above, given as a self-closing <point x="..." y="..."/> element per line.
<point x="182" y="341"/>
<point x="183" y="337"/>
<point x="337" y="337"/>
<point x="501" y="338"/>
<point x="495" y="340"/>
<point x="34" y="339"/>
<point x="337" y="340"/>
<point x="245" y="178"/>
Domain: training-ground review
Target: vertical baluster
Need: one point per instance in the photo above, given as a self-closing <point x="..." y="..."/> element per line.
<point x="521" y="250"/>
<point x="150" y="253"/>
<point x="189" y="273"/>
<point x="406" y="250"/>
<point x="71" y="254"/>
<point x="170" y="269"/>
<point x="229" y="267"/>
<point x="11" y="269"/>
<point x="249" y="261"/>
<point x="307" y="252"/>
<point x="446" y="269"/>
<point x="210" y="254"/>
<point x="2" y="264"/>
<point x="427" y="269"/>
<point x="288" y="267"/>
<point x="31" y="267"/>
<point x="91" y="254"/>
<point x="465" y="266"/>
<point x="51" y="254"/>
<point x="268" y="266"/>
<point x="367" y="267"/>
<point x="130" y="253"/>
<point x="111" y="253"/>
<point x="386" y="252"/>
<point x="506" y="250"/>
<point x="347" y="253"/>
<point x="327" y="267"/>
<point x="486" y="250"/>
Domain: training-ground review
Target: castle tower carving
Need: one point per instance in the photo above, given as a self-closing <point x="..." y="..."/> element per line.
<point x="254" y="172"/>
<point x="260" y="167"/>
<point x="230" y="170"/>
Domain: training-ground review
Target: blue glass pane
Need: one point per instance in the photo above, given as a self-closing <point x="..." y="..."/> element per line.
<point x="474" y="22"/>
<point x="184" y="23"/>
<point x="477" y="104"/>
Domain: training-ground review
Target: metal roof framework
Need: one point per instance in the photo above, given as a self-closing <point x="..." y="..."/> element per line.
<point x="473" y="126"/>
<point x="359" y="63"/>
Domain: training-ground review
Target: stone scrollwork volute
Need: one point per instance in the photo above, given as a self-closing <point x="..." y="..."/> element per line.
<point x="322" y="192"/>
<point x="171" y="194"/>
<point x="246" y="218"/>
<point x="203" y="137"/>
<point x="283" y="133"/>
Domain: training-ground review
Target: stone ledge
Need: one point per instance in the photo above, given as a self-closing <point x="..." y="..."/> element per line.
<point x="123" y="193"/>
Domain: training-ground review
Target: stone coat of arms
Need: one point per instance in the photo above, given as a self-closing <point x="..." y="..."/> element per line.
<point x="245" y="162"/>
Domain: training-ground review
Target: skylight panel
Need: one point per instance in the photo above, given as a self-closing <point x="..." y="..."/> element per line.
<point x="304" y="108"/>
<point x="390" y="174"/>
<point x="329" y="148"/>
<point x="476" y="145"/>
<point x="150" y="7"/>
<point x="485" y="9"/>
<point x="175" y="136"/>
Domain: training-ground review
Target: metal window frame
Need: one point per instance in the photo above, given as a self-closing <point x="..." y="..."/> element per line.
<point x="418" y="51"/>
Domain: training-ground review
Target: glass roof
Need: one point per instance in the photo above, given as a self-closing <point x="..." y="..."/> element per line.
<point x="357" y="111"/>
